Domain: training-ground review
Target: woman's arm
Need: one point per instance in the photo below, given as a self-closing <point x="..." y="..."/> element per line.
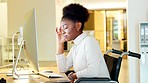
<point x="64" y="63"/>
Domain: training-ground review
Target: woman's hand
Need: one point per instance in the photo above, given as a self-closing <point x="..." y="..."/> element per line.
<point x="60" y="36"/>
<point x="61" y="41"/>
<point x="72" y="76"/>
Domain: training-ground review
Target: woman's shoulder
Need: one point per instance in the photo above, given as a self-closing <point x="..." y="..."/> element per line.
<point x="90" y="39"/>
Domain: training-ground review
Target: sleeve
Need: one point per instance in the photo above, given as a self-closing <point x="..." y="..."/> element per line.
<point x="93" y="52"/>
<point x="64" y="63"/>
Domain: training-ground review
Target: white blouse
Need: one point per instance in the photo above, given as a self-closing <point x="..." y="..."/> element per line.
<point x="85" y="57"/>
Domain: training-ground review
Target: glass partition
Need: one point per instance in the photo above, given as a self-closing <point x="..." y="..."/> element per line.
<point x="116" y="35"/>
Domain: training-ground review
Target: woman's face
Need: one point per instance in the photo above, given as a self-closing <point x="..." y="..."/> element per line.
<point x="70" y="30"/>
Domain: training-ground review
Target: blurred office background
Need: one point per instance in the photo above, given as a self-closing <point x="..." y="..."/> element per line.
<point x="114" y="23"/>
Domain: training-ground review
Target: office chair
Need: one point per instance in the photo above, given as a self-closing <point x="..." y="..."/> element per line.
<point x="113" y="65"/>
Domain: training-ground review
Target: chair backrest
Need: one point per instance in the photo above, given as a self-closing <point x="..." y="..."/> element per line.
<point x="113" y="64"/>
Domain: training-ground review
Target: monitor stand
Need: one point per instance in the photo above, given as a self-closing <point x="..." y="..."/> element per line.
<point x="23" y="74"/>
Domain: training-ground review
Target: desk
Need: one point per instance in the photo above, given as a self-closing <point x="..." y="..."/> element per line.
<point x="39" y="79"/>
<point x="42" y="79"/>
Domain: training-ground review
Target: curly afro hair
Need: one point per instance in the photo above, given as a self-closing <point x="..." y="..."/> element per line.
<point x="76" y="13"/>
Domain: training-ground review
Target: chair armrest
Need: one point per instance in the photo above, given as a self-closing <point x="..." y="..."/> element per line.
<point x="87" y="79"/>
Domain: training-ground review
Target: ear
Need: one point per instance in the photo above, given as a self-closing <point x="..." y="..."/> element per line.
<point x="78" y="26"/>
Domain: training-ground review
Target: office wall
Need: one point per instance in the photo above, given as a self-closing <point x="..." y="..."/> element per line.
<point x="3" y="20"/>
<point x="137" y="11"/>
<point x="46" y="17"/>
<point x="3" y="28"/>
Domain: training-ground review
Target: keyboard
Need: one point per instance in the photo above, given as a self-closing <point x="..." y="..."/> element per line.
<point x="50" y="74"/>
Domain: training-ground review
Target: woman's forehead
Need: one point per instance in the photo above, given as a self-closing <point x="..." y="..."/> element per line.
<point x="66" y="22"/>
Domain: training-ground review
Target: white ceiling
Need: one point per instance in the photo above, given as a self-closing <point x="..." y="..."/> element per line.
<point x="102" y="4"/>
<point x="99" y="1"/>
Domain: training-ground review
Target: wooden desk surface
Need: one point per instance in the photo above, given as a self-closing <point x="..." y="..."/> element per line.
<point x="33" y="78"/>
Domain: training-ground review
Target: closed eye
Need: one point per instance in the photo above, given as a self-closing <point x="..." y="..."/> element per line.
<point x="65" y="26"/>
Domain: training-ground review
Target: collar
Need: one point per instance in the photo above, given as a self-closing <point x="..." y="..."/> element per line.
<point x="79" y="38"/>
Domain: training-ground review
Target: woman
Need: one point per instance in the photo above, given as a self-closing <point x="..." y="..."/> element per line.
<point x="85" y="56"/>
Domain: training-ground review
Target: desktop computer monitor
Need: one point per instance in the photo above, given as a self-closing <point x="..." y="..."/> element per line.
<point x="30" y="45"/>
<point x="30" y="38"/>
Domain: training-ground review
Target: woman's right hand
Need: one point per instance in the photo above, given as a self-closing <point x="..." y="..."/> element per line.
<point x="60" y="36"/>
<point x="61" y="41"/>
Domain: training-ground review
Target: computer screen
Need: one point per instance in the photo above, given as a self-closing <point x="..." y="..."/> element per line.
<point x="30" y="38"/>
